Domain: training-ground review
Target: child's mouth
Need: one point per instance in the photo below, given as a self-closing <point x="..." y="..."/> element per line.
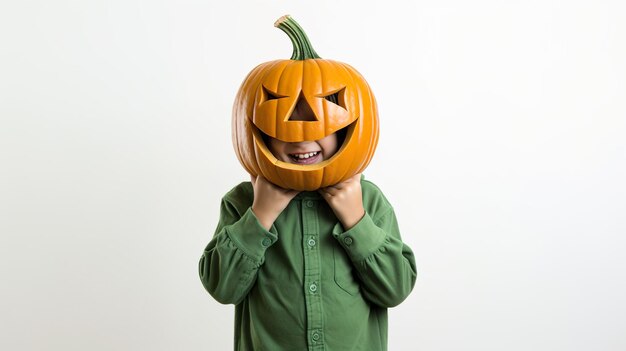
<point x="306" y="158"/>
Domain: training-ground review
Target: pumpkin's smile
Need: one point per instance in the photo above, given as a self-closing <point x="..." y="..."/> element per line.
<point x="284" y="161"/>
<point x="306" y="154"/>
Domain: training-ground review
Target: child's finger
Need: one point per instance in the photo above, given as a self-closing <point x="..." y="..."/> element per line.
<point x="337" y="186"/>
<point x="290" y="192"/>
<point x="330" y="190"/>
<point x="325" y="193"/>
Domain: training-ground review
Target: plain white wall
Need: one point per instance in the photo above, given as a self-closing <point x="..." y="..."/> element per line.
<point x="502" y="150"/>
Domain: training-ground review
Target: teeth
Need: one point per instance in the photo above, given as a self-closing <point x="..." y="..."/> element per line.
<point x="306" y="155"/>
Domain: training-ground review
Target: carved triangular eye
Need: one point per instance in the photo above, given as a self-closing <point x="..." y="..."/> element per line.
<point x="337" y="97"/>
<point x="270" y="95"/>
<point x="334" y="98"/>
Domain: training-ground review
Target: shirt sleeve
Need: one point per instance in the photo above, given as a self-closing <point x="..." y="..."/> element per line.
<point x="230" y="263"/>
<point x="384" y="264"/>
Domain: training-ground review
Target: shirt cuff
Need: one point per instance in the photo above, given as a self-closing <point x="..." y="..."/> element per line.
<point x="250" y="236"/>
<point x="362" y="240"/>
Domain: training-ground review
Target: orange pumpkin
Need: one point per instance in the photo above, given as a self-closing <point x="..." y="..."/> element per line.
<point x="338" y="100"/>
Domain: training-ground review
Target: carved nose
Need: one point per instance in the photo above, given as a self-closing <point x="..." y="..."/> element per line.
<point x="302" y="111"/>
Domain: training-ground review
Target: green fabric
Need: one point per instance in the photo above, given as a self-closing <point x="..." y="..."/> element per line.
<point x="307" y="284"/>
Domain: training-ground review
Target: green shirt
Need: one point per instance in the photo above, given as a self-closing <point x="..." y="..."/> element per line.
<point x="307" y="284"/>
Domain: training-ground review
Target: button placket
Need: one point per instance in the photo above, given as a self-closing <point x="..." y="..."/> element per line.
<point x="312" y="274"/>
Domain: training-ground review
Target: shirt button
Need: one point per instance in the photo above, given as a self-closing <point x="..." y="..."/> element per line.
<point x="311" y="242"/>
<point x="266" y="242"/>
<point x="309" y="203"/>
<point x="313" y="287"/>
<point x="315" y="336"/>
<point x="347" y="240"/>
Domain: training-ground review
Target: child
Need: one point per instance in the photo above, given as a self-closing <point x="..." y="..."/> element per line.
<point x="311" y="270"/>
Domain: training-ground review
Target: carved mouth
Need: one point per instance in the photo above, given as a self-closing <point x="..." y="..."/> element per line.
<point x="303" y="162"/>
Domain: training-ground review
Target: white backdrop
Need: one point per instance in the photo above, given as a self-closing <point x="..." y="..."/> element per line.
<point x="502" y="149"/>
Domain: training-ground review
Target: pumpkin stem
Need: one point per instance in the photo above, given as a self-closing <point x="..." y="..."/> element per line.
<point x="302" y="48"/>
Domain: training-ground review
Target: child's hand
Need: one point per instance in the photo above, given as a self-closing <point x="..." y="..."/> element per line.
<point x="269" y="200"/>
<point x="346" y="200"/>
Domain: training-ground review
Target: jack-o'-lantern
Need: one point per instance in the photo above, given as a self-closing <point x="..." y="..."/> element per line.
<point x="336" y="99"/>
